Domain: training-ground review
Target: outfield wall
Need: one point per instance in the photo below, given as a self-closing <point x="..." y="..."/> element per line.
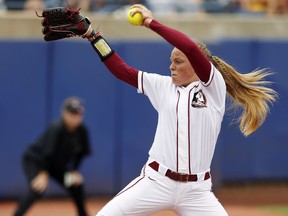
<point x="36" y="76"/>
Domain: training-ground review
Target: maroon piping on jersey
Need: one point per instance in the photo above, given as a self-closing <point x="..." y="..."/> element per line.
<point x="177" y="130"/>
<point x="189" y="143"/>
<point x="213" y="73"/>
<point x="189" y="137"/>
<point x="142" y="83"/>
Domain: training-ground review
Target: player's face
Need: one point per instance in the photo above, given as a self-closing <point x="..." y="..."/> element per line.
<point x="72" y="120"/>
<point x="182" y="72"/>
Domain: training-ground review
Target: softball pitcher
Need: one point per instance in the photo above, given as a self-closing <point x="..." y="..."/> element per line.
<point x="190" y="105"/>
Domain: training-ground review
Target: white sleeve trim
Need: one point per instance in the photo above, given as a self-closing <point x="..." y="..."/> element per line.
<point x="140" y="89"/>
<point x="212" y="72"/>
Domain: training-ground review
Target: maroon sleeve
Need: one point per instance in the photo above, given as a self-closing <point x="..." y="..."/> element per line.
<point x="198" y="60"/>
<point x="121" y="70"/>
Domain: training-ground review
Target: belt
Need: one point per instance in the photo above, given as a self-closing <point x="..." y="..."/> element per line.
<point x="181" y="177"/>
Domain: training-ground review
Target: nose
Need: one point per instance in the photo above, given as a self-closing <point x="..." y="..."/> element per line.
<point x="172" y="67"/>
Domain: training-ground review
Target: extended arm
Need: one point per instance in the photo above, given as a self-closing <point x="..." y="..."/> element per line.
<point x="112" y="60"/>
<point x="61" y="23"/>
<point x="198" y="60"/>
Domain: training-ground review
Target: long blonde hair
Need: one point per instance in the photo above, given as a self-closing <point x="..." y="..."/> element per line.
<point x="249" y="91"/>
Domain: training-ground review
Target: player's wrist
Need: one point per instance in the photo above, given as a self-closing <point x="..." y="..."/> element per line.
<point x="101" y="46"/>
<point x="91" y="34"/>
<point x="147" y="21"/>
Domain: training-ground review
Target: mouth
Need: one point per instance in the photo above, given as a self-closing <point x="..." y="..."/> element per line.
<point x="173" y="75"/>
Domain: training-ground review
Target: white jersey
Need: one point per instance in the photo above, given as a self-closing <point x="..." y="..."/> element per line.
<point x="189" y="120"/>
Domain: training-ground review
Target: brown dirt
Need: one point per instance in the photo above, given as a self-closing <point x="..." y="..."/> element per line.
<point x="237" y="200"/>
<point x="254" y="194"/>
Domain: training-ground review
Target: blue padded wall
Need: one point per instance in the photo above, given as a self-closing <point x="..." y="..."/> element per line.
<point x="23" y="107"/>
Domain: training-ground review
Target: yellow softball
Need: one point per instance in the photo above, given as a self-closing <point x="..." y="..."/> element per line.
<point x="136" y="19"/>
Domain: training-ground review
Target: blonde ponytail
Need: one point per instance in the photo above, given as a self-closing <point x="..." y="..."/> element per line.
<point x="249" y="91"/>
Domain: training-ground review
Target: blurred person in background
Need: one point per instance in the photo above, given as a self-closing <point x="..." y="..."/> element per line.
<point x="220" y="6"/>
<point x="57" y="154"/>
<point x="2" y="5"/>
<point x="275" y="7"/>
<point x="265" y="7"/>
<point x="41" y="4"/>
<point x="101" y="6"/>
<point x="14" y="4"/>
<point x="253" y="6"/>
<point x="110" y="6"/>
<point x="170" y="7"/>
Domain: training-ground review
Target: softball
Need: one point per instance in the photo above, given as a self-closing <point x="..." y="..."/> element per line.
<point x="136" y="19"/>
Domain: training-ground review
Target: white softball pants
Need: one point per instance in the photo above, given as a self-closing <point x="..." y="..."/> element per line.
<point x="152" y="192"/>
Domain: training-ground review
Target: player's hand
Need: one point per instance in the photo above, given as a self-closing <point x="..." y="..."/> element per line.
<point x="77" y="178"/>
<point x="146" y="13"/>
<point x="40" y="182"/>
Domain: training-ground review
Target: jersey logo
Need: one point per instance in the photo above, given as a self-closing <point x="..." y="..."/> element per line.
<point x="199" y="100"/>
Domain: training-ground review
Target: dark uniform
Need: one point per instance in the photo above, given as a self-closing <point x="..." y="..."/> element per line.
<point x="56" y="151"/>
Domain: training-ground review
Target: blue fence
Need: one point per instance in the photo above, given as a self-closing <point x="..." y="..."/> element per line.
<point x="36" y="76"/>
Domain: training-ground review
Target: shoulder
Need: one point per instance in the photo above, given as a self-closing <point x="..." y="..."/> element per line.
<point x="154" y="76"/>
<point x="215" y="76"/>
<point x="153" y="80"/>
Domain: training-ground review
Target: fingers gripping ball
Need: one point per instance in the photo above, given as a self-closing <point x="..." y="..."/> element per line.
<point x="136" y="19"/>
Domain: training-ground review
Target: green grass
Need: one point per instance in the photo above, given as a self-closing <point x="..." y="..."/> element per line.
<point x="281" y="209"/>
